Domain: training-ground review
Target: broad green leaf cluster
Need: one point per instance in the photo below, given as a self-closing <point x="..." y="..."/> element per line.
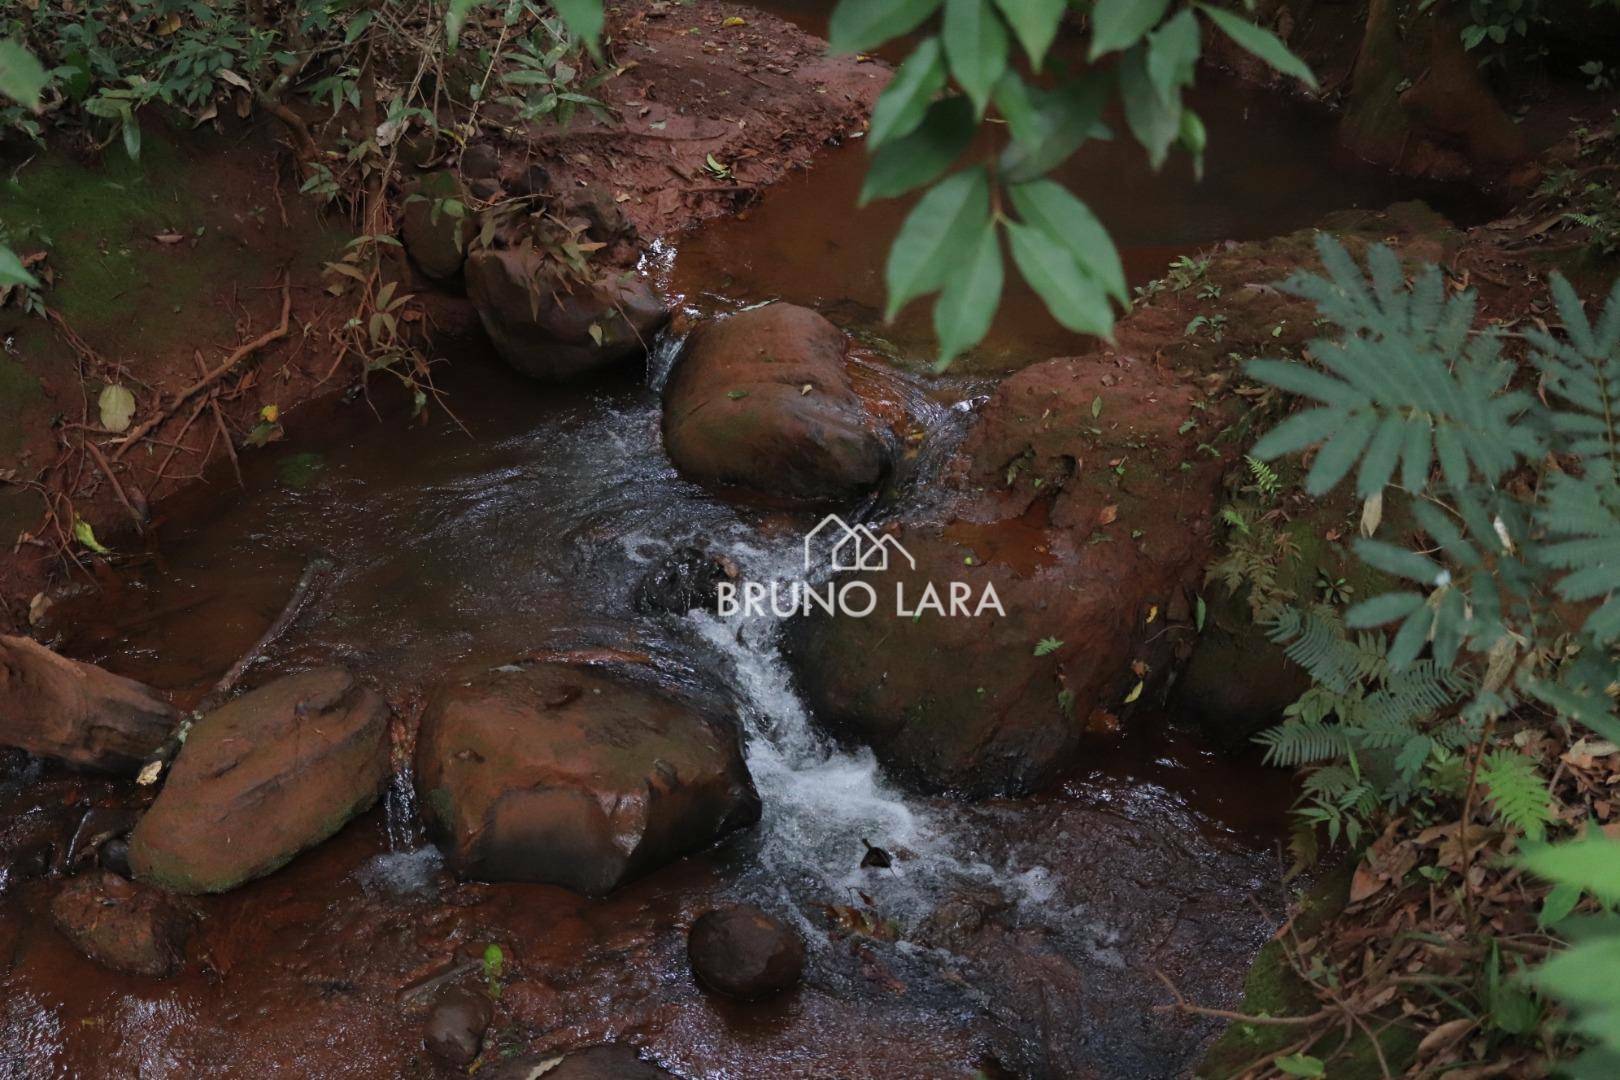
<point x="990" y="59"/>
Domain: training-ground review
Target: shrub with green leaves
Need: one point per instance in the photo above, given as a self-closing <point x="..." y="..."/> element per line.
<point x="1415" y="399"/>
<point x="1510" y="598"/>
<point x="980" y="58"/>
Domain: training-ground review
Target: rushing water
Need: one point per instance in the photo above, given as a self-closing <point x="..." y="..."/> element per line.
<point x="524" y="524"/>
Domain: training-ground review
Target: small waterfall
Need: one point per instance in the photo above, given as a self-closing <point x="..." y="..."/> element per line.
<point x="403" y="823"/>
<point x="820" y="801"/>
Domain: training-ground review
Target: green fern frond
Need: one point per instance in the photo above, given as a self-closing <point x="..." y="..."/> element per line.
<point x="1264" y="476"/>
<point x="1517" y="791"/>
<point x="1295" y="743"/>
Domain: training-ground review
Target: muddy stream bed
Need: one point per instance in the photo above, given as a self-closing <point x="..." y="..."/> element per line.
<point x="1016" y="937"/>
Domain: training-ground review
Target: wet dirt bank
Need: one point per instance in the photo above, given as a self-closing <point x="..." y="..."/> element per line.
<point x="169" y="263"/>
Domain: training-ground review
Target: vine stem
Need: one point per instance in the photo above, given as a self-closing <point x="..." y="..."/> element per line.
<point x="1467" y="816"/>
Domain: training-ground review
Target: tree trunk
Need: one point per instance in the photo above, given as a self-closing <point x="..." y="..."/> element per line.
<point x="1417" y="101"/>
<point x="77" y="712"/>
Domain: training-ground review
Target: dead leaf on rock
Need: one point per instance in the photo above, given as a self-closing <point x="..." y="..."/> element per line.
<point x="1108" y="514"/>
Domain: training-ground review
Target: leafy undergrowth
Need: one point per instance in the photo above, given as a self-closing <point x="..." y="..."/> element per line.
<point x="1469" y="758"/>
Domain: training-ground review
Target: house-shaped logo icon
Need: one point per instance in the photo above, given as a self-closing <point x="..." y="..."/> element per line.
<point x="854" y="547"/>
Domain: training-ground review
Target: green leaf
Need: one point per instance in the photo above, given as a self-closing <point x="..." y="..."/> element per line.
<point x="132" y="136"/>
<point x="84" y="534"/>
<point x="939" y="233"/>
<point x="903" y="102"/>
<point x="859" y="25"/>
<point x="1301" y="1064"/>
<point x="906" y="163"/>
<point x="1034" y="23"/>
<point x="13" y="272"/>
<point x="967" y="305"/>
<point x="1075" y="299"/>
<point x="1379" y="610"/>
<point x="1591" y="864"/>
<point x="976" y="45"/>
<point x="1194" y="138"/>
<point x="1173" y="51"/>
<point x="22" y="77"/>
<point x="1339" y="453"/>
<point x="116" y="405"/>
<point x="584" y="19"/>
<point x="1398" y="561"/>
<point x="1047" y="645"/>
<point x="1558" y="904"/>
<point x="1050" y="207"/>
<point x="1259" y="41"/>
<point x="455" y="17"/>
<point x="1155" y="122"/>
<point x="1017" y="106"/>
<point x="1060" y="121"/>
<point x="1119" y="24"/>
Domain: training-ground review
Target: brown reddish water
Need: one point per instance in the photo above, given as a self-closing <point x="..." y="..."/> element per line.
<point x="1013" y="937"/>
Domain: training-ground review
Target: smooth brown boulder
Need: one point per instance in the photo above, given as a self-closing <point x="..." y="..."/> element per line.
<point x="763" y="401"/>
<point x="263" y="778"/>
<point x="78" y="713"/>
<point x="122" y="925"/>
<point x="1092" y="525"/>
<point x="555" y="330"/>
<point x="565" y="774"/>
<point x="744" y="952"/>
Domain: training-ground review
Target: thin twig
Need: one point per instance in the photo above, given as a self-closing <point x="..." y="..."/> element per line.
<point x="300" y="595"/>
<point x="240" y="353"/>
<point x="118" y="489"/>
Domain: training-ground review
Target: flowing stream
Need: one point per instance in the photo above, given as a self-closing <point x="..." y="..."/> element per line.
<point x="524" y="523"/>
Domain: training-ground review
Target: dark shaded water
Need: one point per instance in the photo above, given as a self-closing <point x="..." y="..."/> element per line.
<point x="529" y="529"/>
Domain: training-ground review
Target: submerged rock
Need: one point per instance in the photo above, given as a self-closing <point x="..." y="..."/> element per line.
<point x="263" y="778"/>
<point x="688" y="578"/>
<point x="1088" y="525"/>
<point x="122" y="925"/>
<point x="456" y="1026"/>
<point x="744" y="953"/>
<point x="563" y="774"/>
<point x="763" y="400"/>
<point x="553" y="330"/>
<point x="78" y="713"/>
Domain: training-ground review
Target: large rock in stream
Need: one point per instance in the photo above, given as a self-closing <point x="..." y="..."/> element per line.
<point x="555" y="330"/>
<point x="763" y="401"/>
<point x="272" y="773"/>
<point x="564" y="774"/>
<point x="77" y="712"/>
<point x="1088" y="512"/>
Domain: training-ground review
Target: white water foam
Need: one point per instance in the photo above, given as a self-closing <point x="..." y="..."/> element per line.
<point x="822" y="801"/>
